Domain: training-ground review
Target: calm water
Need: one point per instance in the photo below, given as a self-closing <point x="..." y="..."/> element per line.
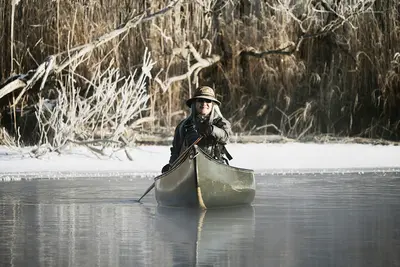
<point x="296" y="220"/>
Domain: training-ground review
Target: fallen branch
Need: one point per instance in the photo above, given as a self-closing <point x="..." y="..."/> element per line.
<point x="43" y="69"/>
<point x="11" y="87"/>
<point x="89" y="142"/>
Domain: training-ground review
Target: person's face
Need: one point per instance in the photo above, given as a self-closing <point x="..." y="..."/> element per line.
<point x="203" y="106"/>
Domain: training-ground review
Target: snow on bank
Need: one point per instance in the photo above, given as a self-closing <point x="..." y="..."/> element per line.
<point x="148" y="160"/>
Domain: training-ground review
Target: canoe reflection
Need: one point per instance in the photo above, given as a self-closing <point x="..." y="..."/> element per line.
<point x="198" y="237"/>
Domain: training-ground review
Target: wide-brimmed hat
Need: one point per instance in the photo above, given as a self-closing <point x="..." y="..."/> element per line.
<point x="203" y="92"/>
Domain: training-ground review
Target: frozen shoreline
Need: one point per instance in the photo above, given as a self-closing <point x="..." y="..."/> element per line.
<point x="148" y="160"/>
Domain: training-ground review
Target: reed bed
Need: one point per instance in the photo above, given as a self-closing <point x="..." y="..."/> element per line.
<point x="295" y="68"/>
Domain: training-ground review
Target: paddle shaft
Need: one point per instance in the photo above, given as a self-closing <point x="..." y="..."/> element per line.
<point x="177" y="160"/>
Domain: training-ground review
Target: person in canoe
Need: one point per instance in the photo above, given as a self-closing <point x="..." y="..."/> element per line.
<point x="205" y="120"/>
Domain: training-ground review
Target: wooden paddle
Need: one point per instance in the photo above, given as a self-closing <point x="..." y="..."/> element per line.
<point x="177" y="160"/>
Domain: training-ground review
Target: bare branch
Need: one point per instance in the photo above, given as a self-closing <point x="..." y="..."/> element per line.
<point x="288" y="50"/>
<point x="195" y="68"/>
<point x="340" y="18"/>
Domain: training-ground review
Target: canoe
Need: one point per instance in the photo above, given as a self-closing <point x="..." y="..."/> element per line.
<point x="199" y="181"/>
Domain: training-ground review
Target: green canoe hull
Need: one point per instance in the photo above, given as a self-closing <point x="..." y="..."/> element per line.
<point x="201" y="182"/>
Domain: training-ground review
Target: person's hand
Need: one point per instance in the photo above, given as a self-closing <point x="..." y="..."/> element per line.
<point x="166" y="168"/>
<point x="191" y="134"/>
<point x="205" y="129"/>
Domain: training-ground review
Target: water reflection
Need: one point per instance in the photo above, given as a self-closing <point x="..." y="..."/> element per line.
<point x="70" y="235"/>
<point x="71" y="223"/>
<point x="213" y="237"/>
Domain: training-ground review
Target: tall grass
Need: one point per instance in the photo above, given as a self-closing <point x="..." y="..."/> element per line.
<point x="341" y="79"/>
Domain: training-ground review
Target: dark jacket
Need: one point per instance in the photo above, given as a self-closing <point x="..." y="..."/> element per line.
<point x="187" y="132"/>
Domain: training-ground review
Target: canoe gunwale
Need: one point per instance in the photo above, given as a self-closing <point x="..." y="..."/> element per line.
<point x="223" y="164"/>
<point x="175" y="166"/>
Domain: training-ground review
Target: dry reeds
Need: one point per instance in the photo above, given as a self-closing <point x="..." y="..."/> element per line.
<point x="308" y="67"/>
